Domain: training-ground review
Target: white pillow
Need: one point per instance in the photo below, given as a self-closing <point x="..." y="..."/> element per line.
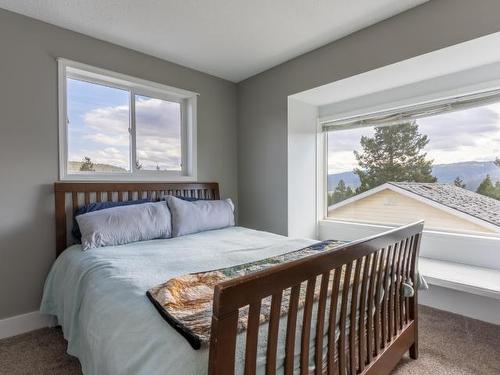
<point x="198" y="216"/>
<point x="124" y="224"/>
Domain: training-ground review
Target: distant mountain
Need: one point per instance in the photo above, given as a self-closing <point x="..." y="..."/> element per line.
<point x="471" y="172"/>
<point x="75" y="166"/>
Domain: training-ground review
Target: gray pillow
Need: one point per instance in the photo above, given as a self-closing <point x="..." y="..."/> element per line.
<point x="121" y="225"/>
<point x="199" y="216"/>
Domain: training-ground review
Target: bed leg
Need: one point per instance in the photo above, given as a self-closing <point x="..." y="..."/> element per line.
<point x="414" y="350"/>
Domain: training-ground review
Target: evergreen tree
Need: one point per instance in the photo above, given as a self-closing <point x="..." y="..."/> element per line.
<point x="341" y="193"/>
<point x="487" y="188"/>
<point x="459" y="182"/>
<point x="394" y="153"/>
<point x="87" y="165"/>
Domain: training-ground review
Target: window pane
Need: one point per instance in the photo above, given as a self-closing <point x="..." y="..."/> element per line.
<point x="448" y="160"/>
<point x="98" y="128"/>
<point x="158" y="129"/>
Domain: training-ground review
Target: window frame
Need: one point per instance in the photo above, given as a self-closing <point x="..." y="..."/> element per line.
<point x="339" y="121"/>
<point x="135" y="87"/>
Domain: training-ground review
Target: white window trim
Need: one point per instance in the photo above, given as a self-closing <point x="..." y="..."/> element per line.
<point x="446" y="246"/>
<point x="136" y="86"/>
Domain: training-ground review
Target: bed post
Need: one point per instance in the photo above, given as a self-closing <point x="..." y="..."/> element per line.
<point x="414" y="299"/>
<point x="60" y="203"/>
<point x="223" y="338"/>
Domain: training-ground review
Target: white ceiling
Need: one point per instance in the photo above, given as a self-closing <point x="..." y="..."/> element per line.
<point x="231" y="39"/>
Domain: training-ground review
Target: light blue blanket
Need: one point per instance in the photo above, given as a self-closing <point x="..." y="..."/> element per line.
<point x="99" y="298"/>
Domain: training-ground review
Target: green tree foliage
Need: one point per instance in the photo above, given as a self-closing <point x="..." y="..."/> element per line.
<point x="459" y="182"/>
<point x="487" y="188"/>
<point x="87" y="165"/>
<point x="341" y="192"/>
<point x="394" y="153"/>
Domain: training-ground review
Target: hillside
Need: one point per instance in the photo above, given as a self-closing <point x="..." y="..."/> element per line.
<point x="74" y="166"/>
<point x="471" y="172"/>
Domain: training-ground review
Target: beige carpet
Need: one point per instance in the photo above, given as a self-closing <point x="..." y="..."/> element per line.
<point x="449" y="344"/>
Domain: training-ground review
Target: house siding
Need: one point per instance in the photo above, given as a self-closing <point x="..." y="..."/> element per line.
<point x="390" y="207"/>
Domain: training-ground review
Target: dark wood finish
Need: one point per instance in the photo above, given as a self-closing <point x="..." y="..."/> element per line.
<point x="306" y="326"/>
<point x="413" y="311"/>
<point x="291" y="328"/>
<point x="320" y="323"/>
<point x="208" y="190"/>
<point x="272" y="335"/>
<point x="378" y="336"/>
<point x="352" y="317"/>
<point x="363" y="326"/>
<point x="252" y="338"/>
<point x="331" y="350"/>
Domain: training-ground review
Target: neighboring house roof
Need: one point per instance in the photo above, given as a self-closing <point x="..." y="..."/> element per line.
<point x="463" y="200"/>
<point x="459" y="201"/>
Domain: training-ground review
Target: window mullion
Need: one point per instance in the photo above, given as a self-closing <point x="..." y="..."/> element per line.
<point x="132" y="130"/>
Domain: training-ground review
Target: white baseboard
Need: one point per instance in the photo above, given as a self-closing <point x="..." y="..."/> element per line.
<point x="461" y="303"/>
<point x="18" y="324"/>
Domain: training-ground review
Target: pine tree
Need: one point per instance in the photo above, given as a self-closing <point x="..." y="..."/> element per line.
<point x="487" y="188"/>
<point x="394" y="153"/>
<point x="341" y="193"/>
<point x="459" y="182"/>
<point x="87" y="165"/>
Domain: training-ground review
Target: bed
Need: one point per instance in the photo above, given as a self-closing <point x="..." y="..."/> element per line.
<point x="99" y="297"/>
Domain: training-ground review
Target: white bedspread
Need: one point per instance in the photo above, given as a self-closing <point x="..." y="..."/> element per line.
<point x="99" y="297"/>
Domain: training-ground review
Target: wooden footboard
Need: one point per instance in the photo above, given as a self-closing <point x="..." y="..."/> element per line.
<point x="360" y="284"/>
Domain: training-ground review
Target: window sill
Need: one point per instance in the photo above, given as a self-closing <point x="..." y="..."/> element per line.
<point x="470" y="279"/>
<point x="478" y="251"/>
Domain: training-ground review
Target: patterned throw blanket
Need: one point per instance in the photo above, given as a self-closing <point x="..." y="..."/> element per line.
<point x="185" y="302"/>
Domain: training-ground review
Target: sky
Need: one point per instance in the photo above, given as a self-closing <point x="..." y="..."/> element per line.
<point x="467" y="135"/>
<point x="98" y="127"/>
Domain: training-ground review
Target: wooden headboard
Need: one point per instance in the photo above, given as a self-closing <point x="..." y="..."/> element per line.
<point x="82" y="193"/>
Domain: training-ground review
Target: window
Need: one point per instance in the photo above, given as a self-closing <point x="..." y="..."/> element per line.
<point x="438" y="164"/>
<point x="118" y="127"/>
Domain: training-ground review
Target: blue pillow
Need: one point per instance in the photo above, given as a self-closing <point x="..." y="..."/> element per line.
<point x="187" y="199"/>
<point x="121" y="225"/>
<point x="97" y="206"/>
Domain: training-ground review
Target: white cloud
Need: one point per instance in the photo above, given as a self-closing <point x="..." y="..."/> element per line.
<point x="105" y="139"/>
<point x="158" y="134"/>
<point x="472" y="134"/>
<point x="111" y="120"/>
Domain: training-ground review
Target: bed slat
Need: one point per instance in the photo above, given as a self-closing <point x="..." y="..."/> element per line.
<point x="272" y="336"/>
<point x="372" y="311"/>
<point x="362" y="329"/>
<point x="291" y="329"/>
<point x="352" y="316"/>
<point x="306" y="326"/>
<point x="343" y="319"/>
<point x="320" y="323"/>
<point x="332" y="321"/>
<point x="252" y="338"/>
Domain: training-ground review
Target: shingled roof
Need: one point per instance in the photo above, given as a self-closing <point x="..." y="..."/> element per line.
<point x="463" y="200"/>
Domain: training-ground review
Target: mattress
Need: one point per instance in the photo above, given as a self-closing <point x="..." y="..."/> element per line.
<point x="99" y="299"/>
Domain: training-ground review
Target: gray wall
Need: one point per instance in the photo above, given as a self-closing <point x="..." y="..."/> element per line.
<point x="29" y="147"/>
<point x="262" y="99"/>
